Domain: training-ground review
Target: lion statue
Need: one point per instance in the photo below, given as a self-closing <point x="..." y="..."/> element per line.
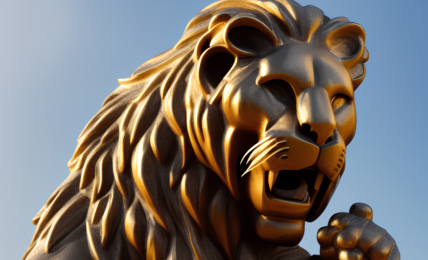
<point x="221" y="147"/>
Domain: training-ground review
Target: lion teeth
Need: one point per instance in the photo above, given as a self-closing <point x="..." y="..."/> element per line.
<point x="307" y="198"/>
<point x="272" y="178"/>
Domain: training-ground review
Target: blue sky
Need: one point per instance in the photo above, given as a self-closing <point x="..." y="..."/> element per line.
<point x="60" y="59"/>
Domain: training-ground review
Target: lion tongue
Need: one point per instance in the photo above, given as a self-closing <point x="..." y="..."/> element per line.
<point x="300" y="193"/>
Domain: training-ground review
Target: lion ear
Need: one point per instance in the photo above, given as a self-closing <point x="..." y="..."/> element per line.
<point x="346" y="40"/>
<point x="213" y="66"/>
<point x="213" y="37"/>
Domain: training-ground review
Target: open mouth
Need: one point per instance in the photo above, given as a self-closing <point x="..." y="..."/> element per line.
<point x="286" y="174"/>
<point x="293" y="185"/>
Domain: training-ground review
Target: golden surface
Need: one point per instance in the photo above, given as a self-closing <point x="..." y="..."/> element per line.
<point x="221" y="147"/>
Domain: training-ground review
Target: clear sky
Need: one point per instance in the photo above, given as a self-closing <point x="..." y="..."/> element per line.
<point x="60" y="59"/>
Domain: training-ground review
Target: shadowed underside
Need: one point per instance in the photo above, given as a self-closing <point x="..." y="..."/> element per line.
<point x="155" y="174"/>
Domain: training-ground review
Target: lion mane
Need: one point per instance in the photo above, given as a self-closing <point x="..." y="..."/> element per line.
<point x="142" y="186"/>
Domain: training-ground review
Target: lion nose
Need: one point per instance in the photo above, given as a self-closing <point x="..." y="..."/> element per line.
<point x="315" y="113"/>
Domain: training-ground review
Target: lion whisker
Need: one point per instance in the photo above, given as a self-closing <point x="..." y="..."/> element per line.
<point x="281" y="149"/>
<point x="257" y="156"/>
<point x="254" y="147"/>
<point x="252" y="166"/>
<point x="266" y="146"/>
<point x="265" y="156"/>
<point x="259" y="159"/>
<point x="280" y="142"/>
<point x="263" y="147"/>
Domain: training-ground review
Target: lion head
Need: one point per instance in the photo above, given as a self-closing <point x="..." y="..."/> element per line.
<point x="241" y="128"/>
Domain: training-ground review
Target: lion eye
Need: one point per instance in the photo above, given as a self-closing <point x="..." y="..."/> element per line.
<point x="249" y="39"/>
<point x="338" y="100"/>
<point x="281" y="89"/>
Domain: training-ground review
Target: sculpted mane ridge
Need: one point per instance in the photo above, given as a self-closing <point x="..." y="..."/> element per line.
<point x="141" y="185"/>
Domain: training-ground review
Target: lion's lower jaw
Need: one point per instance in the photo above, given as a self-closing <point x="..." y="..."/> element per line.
<point x="280" y="231"/>
<point x="277" y="221"/>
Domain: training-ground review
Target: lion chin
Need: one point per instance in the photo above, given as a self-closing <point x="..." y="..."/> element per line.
<point x="219" y="148"/>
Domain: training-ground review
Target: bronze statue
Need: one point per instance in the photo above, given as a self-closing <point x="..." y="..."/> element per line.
<point x="221" y="147"/>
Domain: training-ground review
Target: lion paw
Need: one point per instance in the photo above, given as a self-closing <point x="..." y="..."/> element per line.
<point x="354" y="236"/>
